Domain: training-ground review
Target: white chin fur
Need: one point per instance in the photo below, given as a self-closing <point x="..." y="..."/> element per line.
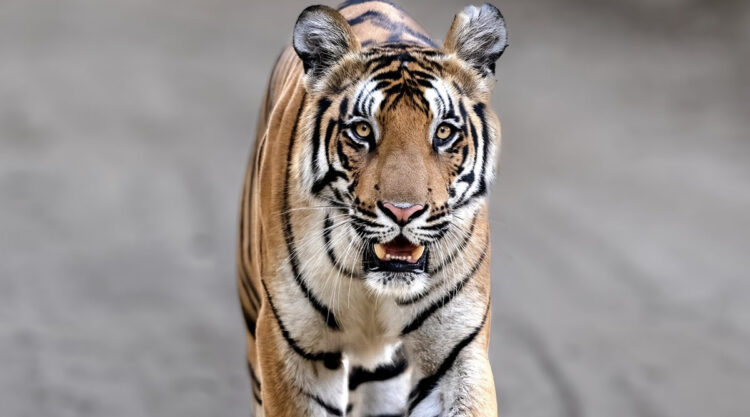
<point x="399" y="285"/>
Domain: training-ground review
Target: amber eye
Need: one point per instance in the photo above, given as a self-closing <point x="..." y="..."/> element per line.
<point x="444" y="131"/>
<point x="363" y="129"/>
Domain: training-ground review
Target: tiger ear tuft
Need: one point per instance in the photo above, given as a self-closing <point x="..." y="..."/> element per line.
<point x="478" y="36"/>
<point x="321" y="38"/>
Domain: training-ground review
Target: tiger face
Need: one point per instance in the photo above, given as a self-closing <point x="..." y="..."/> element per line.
<point x="399" y="138"/>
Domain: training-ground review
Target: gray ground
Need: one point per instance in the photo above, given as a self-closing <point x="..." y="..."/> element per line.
<point x="621" y="217"/>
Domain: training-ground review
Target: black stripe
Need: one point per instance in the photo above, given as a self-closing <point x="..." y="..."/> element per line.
<point x="468" y="178"/>
<point x="445" y="299"/>
<point x="396" y="29"/>
<point x="343" y="159"/>
<point x="247" y="314"/>
<point x="359" y="376"/>
<point x="371" y="103"/>
<point x="479" y="110"/>
<point x="331" y="176"/>
<point x="436" y="216"/>
<point x="323" y="105"/>
<point x="327" y="228"/>
<point x="324" y="311"/>
<point x="421" y="36"/>
<point x="249" y="289"/>
<point x="249" y="320"/>
<point x="366" y="212"/>
<point x="427" y="384"/>
<point x="256" y="383"/>
<point x="464" y="117"/>
<point x="425" y="83"/>
<point x="343" y="110"/>
<point x="379" y="86"/>
<point x="358" y="110"/>
<point x="367" y="223"/>
<point x="331" y="360"/>
<point x="329" y="408"/>
<point x="423" y="75"/>
<point x="380" y="62"/>
<point x="458" y="250"/>
<point x="438" y="226"/>
<point x="482" y="181"/>
<point x="253" y="377"/>
<point x="442" y="106"/>
<point x="329" y="134"/>
<point x="253" y="292"/>
<point x="475" y="141"/>
<point x="451" y="114"/>
<point x="375" y="17"/>
<point x="389" y="75"/>
<point x="354" y="2"/>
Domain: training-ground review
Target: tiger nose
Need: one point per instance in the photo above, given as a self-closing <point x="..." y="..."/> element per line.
<point x="401" y="212"/>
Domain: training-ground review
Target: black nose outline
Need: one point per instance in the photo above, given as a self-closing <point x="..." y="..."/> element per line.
<point x="393" y="217"/>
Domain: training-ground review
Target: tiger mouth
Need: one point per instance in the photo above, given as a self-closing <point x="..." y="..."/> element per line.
<point x="398" y="255"/>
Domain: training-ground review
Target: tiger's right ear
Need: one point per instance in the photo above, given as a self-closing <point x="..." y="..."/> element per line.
<point x="478" y="36"/>
<point x="322" y="36"/>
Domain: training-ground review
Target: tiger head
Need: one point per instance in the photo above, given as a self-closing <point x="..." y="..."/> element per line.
<point x="399" y="138"/>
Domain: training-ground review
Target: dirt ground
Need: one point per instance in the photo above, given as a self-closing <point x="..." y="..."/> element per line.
<point x="621" y="218"/>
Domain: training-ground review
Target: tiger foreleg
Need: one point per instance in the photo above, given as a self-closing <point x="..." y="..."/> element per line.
<point x="296" y="380"/>
<point x="454" y="376"/>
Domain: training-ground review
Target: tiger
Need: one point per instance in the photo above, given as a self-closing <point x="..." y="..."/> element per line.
<point x="363" y="255"/>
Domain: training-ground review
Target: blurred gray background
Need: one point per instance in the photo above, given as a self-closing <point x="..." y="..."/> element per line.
<point x="621" y="217"/>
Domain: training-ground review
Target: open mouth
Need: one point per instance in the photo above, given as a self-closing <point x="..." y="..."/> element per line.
<point x="398" y="255"/>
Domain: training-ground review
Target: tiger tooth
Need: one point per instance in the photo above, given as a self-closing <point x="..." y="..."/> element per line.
<point x="388" y="256"/>
<point x="379" y="251"/>
<point x="417" y="253"/>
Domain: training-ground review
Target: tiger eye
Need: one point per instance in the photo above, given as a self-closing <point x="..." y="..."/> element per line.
<point x="362" y="129"/>
<point x="444" y="132"/>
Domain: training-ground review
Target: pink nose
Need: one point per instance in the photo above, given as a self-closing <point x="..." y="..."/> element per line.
<point x="402" y="211"/>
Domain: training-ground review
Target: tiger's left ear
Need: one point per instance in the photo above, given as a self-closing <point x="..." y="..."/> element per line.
<point x="322" y="36"/>
<point x="478" y="36"/>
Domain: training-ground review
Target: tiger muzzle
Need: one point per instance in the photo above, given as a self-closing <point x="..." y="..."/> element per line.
<point x="398" y="255"/>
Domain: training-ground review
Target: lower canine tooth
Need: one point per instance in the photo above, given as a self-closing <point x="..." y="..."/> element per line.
<point x="417" y="253"/>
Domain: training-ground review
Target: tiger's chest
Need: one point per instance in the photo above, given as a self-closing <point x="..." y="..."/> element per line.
<point x="370" y="328"/>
